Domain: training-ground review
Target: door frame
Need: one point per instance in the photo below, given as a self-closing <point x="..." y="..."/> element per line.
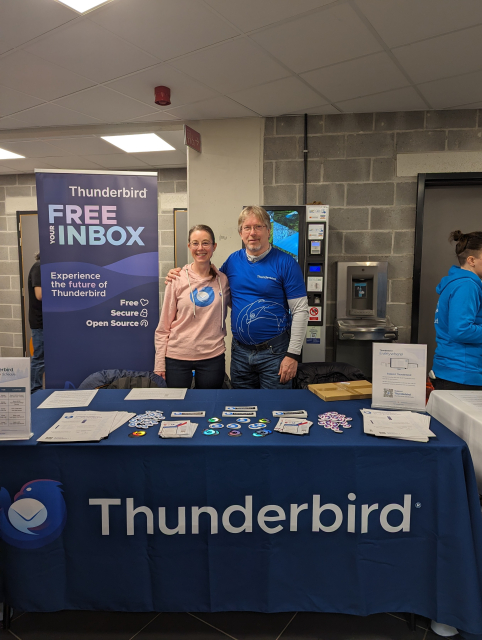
<point x="430" y="181"/>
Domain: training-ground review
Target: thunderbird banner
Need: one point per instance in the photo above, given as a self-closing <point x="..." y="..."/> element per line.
<point x="99" y="269"/>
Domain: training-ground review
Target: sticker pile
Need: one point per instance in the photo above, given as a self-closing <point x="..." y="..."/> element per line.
<point x="146" y="420"/>
<point x="334" y="421"/>
<point x="177" y="429"/>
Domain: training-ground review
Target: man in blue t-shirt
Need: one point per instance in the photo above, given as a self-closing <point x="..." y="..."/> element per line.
<point x="269" y="308"/>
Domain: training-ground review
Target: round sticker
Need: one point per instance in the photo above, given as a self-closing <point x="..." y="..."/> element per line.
<point x="264" y="420"/>
<point x="232" y="425"/>
<point x="243" y="420"/>
<point x="256" y="425"/>
<point x="234" y="433"/>
<point x="210" y="432"/>
<point x="262" y="433"/>
<point x="137" y="434"/>
<point x="214" y="420"/>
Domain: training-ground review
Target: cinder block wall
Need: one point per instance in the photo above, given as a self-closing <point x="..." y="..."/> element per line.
<point x="352" y="167"/>
<point x="18" y="193"/>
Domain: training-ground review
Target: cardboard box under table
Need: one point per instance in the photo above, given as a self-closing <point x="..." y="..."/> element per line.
<point x="357" y="389"/>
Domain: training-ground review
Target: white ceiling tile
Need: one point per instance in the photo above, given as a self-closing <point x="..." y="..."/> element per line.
<point x="443" y="56"/>
<point x="158" y="116"/>
<point x="141" y="85"/>
<point x="73" y="162"/>
<point x="118" y="161"/>
<point x="22" y="71"/>
<point x="405" y="99"/>
<point x="166" y="29"/>
<point x="10" y="123"/>
<point x="231" y="66"/>
<point x="221" y="107"/>
<point x="324" y="38"/>
<point x="51" y="115"/>
<point x="30" y="164"/>
<point x="94" y="52"/>
<point x="12" y="101"/>
<point x="276" y="98"/>
<point x="451" y="92"/>
<point x="320" y="110"/>
<point x="30" y="148"/>
<point x="105" y="105"/>
<point x="253" y="14"/>
<point x="403" y="21"/>
<point x="161" y="158"/>
<point x="82" y="146"/>
<point x="26" y="19"/>
<point x="360" y="77"/>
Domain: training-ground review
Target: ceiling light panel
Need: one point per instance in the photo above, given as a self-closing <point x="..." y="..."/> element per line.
<point x="140" y="143"/>
<point x="82" y="6"/>
<point x="7" y="155"/>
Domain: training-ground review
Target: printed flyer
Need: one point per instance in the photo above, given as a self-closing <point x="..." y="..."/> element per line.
<point x="99" y="271"/>
<point x="399" y="374"/>
<point x="15" y="399"/>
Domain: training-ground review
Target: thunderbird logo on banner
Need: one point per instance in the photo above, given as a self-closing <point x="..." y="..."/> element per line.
<point x="100" y="272"/>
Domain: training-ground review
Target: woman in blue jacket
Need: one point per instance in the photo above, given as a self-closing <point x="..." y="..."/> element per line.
<point x="457" y="362"/>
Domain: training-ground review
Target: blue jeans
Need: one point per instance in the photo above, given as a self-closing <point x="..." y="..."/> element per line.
<point x="252" y="369"/>
<point x="37" y="365"/>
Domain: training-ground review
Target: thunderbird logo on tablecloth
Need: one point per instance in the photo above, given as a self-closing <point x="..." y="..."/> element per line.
<point x="36" y="517"/>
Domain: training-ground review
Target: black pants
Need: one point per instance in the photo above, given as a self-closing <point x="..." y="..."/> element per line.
<point x="446" y="385"/>
<point x="209" y="373"/>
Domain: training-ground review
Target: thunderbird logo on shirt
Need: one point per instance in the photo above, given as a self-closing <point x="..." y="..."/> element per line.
<point x="202" y="298"/>
<point x="36" y="517"/>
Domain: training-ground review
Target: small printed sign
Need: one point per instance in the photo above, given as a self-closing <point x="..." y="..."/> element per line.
<point x="315" y="314"/>
<point x="317" y="213"/>
<point x="192" y="138"/>
<point x="314" y="283"/>
<point x="316" y="231"/>
<point x="313" y="335"/>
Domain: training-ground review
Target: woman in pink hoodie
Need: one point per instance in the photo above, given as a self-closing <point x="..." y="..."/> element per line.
<point x="191" y="331"/>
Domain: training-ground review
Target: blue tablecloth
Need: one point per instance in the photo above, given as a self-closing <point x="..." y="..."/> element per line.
<point x="313" y="561"/>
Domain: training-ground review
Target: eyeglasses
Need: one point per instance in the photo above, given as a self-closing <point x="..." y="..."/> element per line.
<point x="203" y="244"/>
<point x="256" y="227"/>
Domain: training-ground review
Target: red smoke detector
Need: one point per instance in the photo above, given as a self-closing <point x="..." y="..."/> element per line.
<point x="162" y="96"/>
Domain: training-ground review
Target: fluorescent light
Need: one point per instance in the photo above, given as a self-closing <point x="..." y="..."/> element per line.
<point x="139" y="143"/>
<point x="8" y="155"/>
<point x="82" y="6"/>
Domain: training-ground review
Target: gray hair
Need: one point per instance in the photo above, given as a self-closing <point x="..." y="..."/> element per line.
<point x="258" y="212"/>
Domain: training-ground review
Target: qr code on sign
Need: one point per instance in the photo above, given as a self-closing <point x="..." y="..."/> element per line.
<point x="388" y="393"/>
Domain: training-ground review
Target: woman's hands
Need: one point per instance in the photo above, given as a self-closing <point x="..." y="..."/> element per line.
<point x="161" y="373"/>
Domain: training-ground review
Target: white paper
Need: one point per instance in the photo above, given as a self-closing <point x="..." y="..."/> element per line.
<point x="177" y="429"/>
<point x="474" y="398"/>
<point x="15" y="399"/>
<point x="81" y="426"/>
<point x="156" y="394"/>
<point x="401" y="425"/>
<point x="399" y="375"/>
<point x="64" y="399"/>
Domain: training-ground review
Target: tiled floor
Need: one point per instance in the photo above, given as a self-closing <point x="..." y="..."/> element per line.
<point x="83" y="625"/>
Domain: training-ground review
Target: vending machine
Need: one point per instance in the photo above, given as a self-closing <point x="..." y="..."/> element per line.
<point x="302" y="232"/>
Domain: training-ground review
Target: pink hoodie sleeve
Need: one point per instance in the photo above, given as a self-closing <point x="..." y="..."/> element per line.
<point x="161" y="336"/>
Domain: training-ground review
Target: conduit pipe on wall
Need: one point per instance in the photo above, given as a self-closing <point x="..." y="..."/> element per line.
<point x="305" y="160"/>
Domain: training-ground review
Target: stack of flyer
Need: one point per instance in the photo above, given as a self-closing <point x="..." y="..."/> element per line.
<point x="177" y="429"/>
<point x="295" y="426"/>
<point x="401" y="425"/>
<point x="85" y="426"/>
